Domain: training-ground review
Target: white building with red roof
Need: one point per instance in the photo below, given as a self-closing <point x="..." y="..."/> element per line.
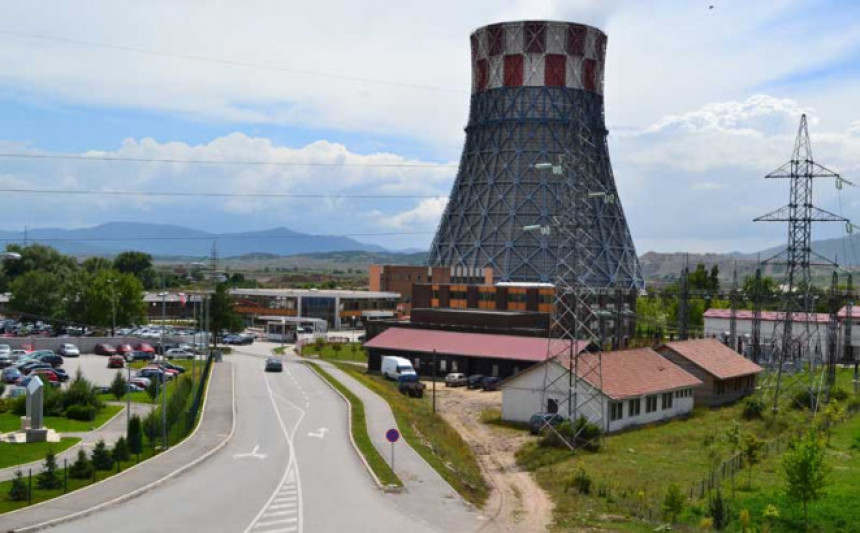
<point x="726" y="375"/>
<point x="638" y="387"/>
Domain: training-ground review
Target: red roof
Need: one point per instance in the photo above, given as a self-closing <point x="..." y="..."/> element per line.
<point x="632" y="373"/>
<point x="767" y="316"/>
<point x="512" y="347"/>
<point x="714" y="357"/>
<point x="855" y="312"/>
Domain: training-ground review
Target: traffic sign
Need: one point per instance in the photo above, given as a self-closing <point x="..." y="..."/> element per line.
<point x="392" y="435"/>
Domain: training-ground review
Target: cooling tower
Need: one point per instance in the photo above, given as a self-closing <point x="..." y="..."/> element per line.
<point x="537" y="95"/>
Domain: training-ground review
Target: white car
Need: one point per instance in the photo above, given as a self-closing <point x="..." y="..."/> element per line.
<point x="5" y="349"/>
<point x="177" y="353"/>
<point x="18" y="355"/>
<point x="69" y="350"/>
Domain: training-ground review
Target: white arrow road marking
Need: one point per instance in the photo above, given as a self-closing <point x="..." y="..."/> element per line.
<point x="253" y="454"/>
<point x="318" y="434"/>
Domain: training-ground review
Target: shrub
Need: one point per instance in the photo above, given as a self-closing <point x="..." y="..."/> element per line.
<point x="18" y="490"/>
<point x="82" y="468"/>
<point x="802" y="399"/>
<point x="673" y="502"/>
<point x="2" y="388"/>
<point x="839" y="394"/>
<point x="81" y="392"/>
<point x="19" y="406"/>
<point x="135" y="435"/>
<point x="102" y="459"/>
<point x="48" y="479"/>
<point x="120" y="450"/>
<point x="581" y="481"/>
<point x="753" y="408"/>
<point x="582" y="434"/>
<point x="152" y="426"/>
<point x="119" y="386"/>
<point x="719" y="512"/>
<point x="85" y="413"/>
<point x="153" y="389"/>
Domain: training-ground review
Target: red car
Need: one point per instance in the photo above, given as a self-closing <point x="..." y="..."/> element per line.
<point x="123" y="349"/>
<point x="104" y="349"/>
<point x="48" y="375"/>
<point x="144" y="347"/>
<point x="27" y="347"/>
<point x="116" y="361"/>
<point x="171" y="372"/>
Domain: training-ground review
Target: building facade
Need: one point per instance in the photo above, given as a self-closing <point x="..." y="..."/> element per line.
<point x="401" y="278"/>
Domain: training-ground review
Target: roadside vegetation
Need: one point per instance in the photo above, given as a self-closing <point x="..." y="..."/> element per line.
<point x="21" y="454"/>
<point x="143" y="441"/>
<point x="430" y="435"/>
<point x="336" y="351"/>
<point x="382" y="470"/>
<point x="719" y="469"/>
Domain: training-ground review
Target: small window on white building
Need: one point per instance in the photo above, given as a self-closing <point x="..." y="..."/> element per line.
<point x="443" y="365"/>
<point x="616" y="411"/>
<point x="634" y="407"/>
<point x="651" y="403"/>
<point x="667" y="400"/>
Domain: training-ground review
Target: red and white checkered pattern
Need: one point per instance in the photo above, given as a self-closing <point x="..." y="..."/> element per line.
<point x="538" y="54"/>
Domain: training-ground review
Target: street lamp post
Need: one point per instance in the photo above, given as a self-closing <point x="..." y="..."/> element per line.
<point x="162" y="376"/>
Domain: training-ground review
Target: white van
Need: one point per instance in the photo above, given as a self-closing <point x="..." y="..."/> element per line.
<point x="394" y="367"/>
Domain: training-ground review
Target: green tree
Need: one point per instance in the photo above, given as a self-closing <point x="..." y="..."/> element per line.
<point x="719" y="512"/>
<point x="153" y="389"/>
<point x="673" y="502"/>
<point x="18" y="490"/>
<point x="139" y="265"/>
<point x="805" y="471"/>
<point x="82" y="468"/>
<point x="93" y="265"/>
<point x="102" y="459"/>
<point x="224" y="317"/>
<point x="152" y="426"/>
<point x="73" y="297"/>
<point x="115" y="294"/>
<point x="120" y="452"/>
<point x="135" y="435"/>
<point x="752" y="448"/>
<point x="38" y="258"/>
<point x="734" y="439"/>
<point x="48" y="479"/>
<point x="769" y="289"/>
<point x="119" y="386"/>
<point x="36" y="293"/>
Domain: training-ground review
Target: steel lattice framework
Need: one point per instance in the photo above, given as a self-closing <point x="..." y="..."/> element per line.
<point x="793" y="343"/>
<point x="537" y="95"/>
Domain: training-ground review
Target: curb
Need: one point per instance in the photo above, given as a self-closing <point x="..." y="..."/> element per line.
<point x="141" y="490"/>
<point x="379" y="485"/>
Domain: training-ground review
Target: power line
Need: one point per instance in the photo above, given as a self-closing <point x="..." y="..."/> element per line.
<point x="217" y="237"/>
<point x="230" y="62"/>
<point x="74" y="157"/>
<point x="90" y="192"/>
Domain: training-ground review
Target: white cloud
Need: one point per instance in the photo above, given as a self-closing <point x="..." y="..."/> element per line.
<point x="424" y="215"/>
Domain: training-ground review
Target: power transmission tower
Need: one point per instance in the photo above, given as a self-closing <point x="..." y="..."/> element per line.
<point x="578" y="391"/>
<point x="756" y="325"/>
<point x="792" y="341"/>
<point x="833" y="331"/>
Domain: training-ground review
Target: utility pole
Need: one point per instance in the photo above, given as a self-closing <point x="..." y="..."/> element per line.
<point x="162" y="376"/>
<point x="833" y="333"/>
<point x="733" y="319"/>
<point x="683" y="302"/>
<point x="756" y="325"/>
<point x="434" y="380"/>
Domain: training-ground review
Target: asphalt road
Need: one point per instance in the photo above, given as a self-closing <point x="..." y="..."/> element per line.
<point x="289" y="468"/>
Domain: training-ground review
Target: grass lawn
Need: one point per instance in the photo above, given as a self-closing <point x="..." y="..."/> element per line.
<point x="631" y="473"/>
<point x="436" y="441"/>
<point x="10" y="422"/>
<point x="359" y="432"/>
<point x="350" y="351"/>
<point x="19" y="454"/>
<point x="140" y="397"/>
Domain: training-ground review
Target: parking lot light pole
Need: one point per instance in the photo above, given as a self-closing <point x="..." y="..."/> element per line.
<point x="162" y="377"/>
<point x="128" y="400"/>
<point x="434" y="380"/>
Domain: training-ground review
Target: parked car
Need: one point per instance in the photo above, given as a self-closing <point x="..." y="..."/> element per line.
<point x="144" y="347"/>
<point x="456" y="379"/>
<point x="170" y="366"/>
<point x="140" y="381"/>
<point x="490" y="383"/>
<point x="123" y="349"/>
<point x="475" y="381"/>
<point x="243" y="340"/>
<point x="47" y="376"/>
<point x="410" y="384"/>
<point x="27" y="347"/>
<point x="116" y="361"/>
<point x="69" y="350"/>
<point x="29" y="366"/>
<point x="171" y="373"/>
<point x="18" y="355"/>
<point x="51" y="358"/>
<point x="539" y="421"/>
<point x="62" y="374"/>
<point x="104" y="349"/>
<point x="5" y="360"/>
<point x="138" y="355"/>
<point x="274" y="364"/>
<point x="5" y="349"/>
<point x="11" y="375"/>
<point x="394" y="367"/>
<point x="153" y="373"/>
<point x="176" y="353"/>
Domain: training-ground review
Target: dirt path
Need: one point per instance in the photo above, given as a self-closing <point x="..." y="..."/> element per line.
<point x="517" y="503"/>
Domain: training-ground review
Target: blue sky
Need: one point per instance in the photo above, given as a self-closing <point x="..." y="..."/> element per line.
<point x="700" y="104"/>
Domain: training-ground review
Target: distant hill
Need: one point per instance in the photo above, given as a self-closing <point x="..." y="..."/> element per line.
<point x="845" y="251"/>
<point x="178" y="241"/>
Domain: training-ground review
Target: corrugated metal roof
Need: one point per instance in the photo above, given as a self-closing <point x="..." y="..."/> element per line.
<point x="714" y="357"/>
<point x="767" y="316"/>
<point x="513" y="347"/>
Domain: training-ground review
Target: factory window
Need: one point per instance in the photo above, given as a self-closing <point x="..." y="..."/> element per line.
<point x="551" y="406"/>
<point x="616" y="411"/>
<point x="454" y="366"/>
<point x="719" y="387"/>
<point x="667" y="400"/>
<point x="417" y="364"/>
<point x="495" y="370"/>
<point x="633" y="407"/>
<point x="546" y="298"/>
<point x="443" y="364"/>
<point x="516" y="297"/>
<point x="650" y="403"/>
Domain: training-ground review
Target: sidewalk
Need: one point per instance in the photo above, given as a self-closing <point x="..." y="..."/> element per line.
<point x="215" y="428"/>
<point x="422" y="483"/>
<point x="110" y="432"/>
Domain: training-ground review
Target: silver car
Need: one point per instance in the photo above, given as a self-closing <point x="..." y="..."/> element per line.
<point x="455" y="379"/>
<point x="69" y="350"/>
